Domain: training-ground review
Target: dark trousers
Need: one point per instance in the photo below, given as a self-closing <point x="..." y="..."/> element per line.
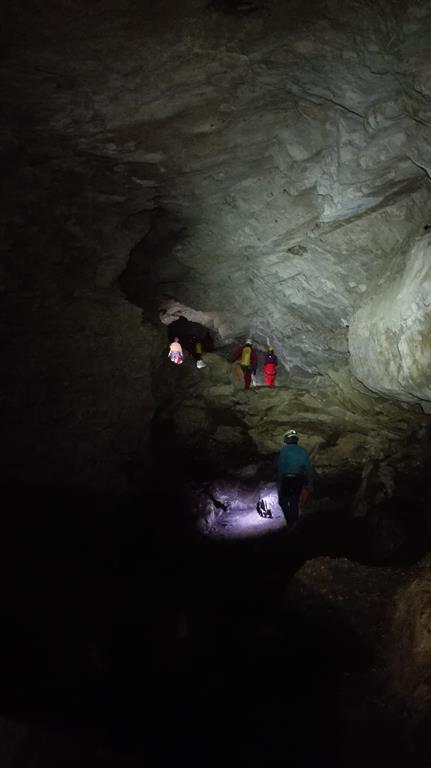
<point x="247" y="377"/>
<point x="288" y="497"/>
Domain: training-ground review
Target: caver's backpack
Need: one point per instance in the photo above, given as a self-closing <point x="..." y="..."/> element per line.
<point x="245" y="357"/>
<point x="263" y="508"/>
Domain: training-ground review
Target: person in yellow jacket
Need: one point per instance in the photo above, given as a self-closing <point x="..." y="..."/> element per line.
<point x="197" y="352"/>
<point x="176" y="351"/>
<point x="247" y="358"/>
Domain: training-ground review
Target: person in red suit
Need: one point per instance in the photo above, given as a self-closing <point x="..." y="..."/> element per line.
<point x="270" y="367"/>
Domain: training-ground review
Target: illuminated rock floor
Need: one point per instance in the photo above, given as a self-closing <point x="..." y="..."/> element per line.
<point x="236" y="515"/>
<point x="247" y="523"/>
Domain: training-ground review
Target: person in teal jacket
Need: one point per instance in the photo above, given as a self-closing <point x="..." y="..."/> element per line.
<point x="294" y="474"/>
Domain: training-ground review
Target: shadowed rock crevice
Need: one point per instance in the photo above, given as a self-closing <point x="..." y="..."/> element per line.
<point x="151" y="272"/>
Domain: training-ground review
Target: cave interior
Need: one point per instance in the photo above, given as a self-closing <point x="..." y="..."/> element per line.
<point x="216" y="170"/>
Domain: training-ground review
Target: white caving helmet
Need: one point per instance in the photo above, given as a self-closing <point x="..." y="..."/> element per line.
<point x="291" y="434"/>
<point x="249" y="341"/>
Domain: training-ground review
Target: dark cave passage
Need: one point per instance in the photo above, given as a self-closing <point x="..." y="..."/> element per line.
<point x="188" y="331"/>
<point x="279" y="664"/>
<point x="233" y="647"/>
<point x="139" y="281"/>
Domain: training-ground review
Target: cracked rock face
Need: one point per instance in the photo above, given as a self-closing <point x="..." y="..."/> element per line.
<point x="390" y="336"/>
<point x="293" y="156"/>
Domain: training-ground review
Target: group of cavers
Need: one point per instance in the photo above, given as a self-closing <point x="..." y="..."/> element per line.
<point x="294" y="469"/>
<point x="196" y="347"/>
<point x="245" y="357"/>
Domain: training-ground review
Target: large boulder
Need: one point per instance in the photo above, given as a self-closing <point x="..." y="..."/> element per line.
<point x="390" y="335"/>
<point x="410" y="663"/>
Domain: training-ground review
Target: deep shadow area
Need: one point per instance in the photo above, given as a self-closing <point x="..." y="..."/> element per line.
<point x="273" y="667"/>
<point x="90" y="598"/>
<point x="187" y="331"/>
<point x="141" y="281"/>
<point x="196" y="458"/>
<point x="123" y="628"/>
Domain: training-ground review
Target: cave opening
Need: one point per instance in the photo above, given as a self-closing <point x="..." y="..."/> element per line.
<point x="187" y="331"/>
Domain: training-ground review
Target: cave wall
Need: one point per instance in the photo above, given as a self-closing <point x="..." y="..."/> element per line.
<point x="389" y="337"/>
<point x="409" y="660"/>
<point x="288" y="145"/>
<point x="76" y="396"/>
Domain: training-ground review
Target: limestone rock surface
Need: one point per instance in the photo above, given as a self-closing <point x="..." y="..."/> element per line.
<point x="390" y="335"/>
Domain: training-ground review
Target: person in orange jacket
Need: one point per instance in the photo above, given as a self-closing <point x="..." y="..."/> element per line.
<point x="247" y="358"/>
<point x="270" y="367"/>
